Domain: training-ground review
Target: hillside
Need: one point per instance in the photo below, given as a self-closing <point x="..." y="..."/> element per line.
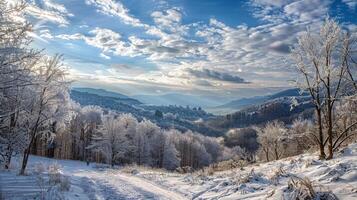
<point x="181" y="118"/>
<point x="283" y="179"/>
<point x="273" y="107"/>
<point x="257" y="110"/>
<point x="101" y="92"/>
<point x="181" y="99"/>
<point x="246" y="102"/>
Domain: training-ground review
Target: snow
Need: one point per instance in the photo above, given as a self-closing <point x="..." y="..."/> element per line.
<point x="258" y="181"/>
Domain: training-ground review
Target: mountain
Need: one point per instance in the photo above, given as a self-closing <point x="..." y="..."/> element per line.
<point x="180" y="117"/>
<point x="253" y="111"/>
<point x="101" y="92"/>
<point x="180" y="100"/>
<point x="246" y="102"/>
<point x="273" y="107"/>
<point x="239" y="104"/>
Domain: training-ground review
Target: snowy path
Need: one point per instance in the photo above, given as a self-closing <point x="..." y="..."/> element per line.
<point x="19" y="187"/>
<point x="115" y="185"/>
<point x="87" y="182"/>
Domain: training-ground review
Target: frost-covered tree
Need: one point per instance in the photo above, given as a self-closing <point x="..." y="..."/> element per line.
<point x="47" y="100"/>
<point x="12" y="142"/>
<point x="323" y="59"/>
<point x="346" y="117"/>
<point x="213" y="147"/>
<point x="301" y="131"/>
<point x="88" y="119"/>
<point x="112" y="140"/>
<point x="246" y="138"/>
<point x="128" y="123"/>
<point x="143" y="139"/>
<point x="171" y="159"/>
<point x="158" y="142"/>
<point x="16" y="65"/>
<point x="271" y="138"/>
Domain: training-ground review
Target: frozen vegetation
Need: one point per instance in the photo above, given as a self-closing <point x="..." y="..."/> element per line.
<point x="52" y="147"/>
<point x="298" y="176"/>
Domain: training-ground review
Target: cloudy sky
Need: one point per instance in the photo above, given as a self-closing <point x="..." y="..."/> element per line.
<point x="225" y="48"/>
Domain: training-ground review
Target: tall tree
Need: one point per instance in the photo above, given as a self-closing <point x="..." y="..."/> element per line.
<point x="47" y="100"/>
<point x="323" y="60"/>
<point x="17" y="60"/>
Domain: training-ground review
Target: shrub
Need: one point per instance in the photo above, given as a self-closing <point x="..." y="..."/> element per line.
<point x="304" y="189"/>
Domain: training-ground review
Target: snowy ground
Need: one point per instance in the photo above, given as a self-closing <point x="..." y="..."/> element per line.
<point x="264" y="181"/>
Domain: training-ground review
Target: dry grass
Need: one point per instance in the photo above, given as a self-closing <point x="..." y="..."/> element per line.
<point x="277" y="174"/>
<point x="304" y="189"/>
<point x="135" y="169"/>
<point x="250" y="177"/>
<point x="228" y="165"/>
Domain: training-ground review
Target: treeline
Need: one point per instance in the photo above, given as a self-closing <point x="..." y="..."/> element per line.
<point x="278" y="109"/>
<point x="96" y="135"/>
<point x="178" y="117"/>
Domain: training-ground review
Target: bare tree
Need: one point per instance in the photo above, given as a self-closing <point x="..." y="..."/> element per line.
<point x="16" y="64"/>
<point x="46" y="101"/>
<point x="271" y="139"/>
<point x="323" y="61"/>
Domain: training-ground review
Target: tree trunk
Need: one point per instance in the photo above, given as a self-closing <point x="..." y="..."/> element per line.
<point x="322" y="155"/>
<point x="8" y="156"/>
<point x="26" y="155"/>
<point x="329" y="131"/>
<point x="276" y="153"/>
<point x="28" y="149"/>
<point x="24" y="161"/>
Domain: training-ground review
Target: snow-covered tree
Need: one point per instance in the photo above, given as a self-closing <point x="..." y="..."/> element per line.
<point x="346" y="116"/>
<point x="145" y="132"/>
<point x="158" y="142"/>
<point x="323" y="59"/>
<point x="89" y="118"/>
<point x="111" y="139"/>
<point x="271" y="138"/>
<point x="213" y="147"/>
<point x="171" y="159"/>
<point x="46" y="102"/>
<point x="16" y="64"/>
<point x="301" y="132"/>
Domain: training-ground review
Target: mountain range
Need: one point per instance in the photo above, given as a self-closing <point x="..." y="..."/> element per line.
<point x="241" y="113"/>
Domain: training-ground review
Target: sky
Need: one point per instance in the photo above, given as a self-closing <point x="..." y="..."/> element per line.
<point x="210" y="48"/>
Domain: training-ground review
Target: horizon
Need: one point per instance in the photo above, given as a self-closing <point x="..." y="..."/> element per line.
<point x="210" y="49"/>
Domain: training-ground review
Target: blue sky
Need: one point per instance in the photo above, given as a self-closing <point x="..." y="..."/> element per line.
<point x="225" y="48"/>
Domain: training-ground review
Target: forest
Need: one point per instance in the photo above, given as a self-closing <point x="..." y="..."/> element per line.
<point x="40" y="114"/>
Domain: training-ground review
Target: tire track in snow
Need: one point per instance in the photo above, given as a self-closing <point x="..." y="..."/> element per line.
<point x="110" y="186"/>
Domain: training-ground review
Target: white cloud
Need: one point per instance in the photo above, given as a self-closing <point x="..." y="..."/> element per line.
<point x="168" y="18"/>
<point x="76" y="36"/>
<point x="46" y="34"/>
<point x="116" y="9"/>
<point x="50" y="11"/>
<point x="257" y="54"/>
<point x="104" y="56"/>
<point x="57" y="7"/>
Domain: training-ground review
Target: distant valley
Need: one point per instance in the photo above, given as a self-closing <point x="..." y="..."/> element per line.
<point x="239" y="113"/>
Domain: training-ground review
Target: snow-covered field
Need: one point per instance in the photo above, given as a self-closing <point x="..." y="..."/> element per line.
<point x="259" y="181"/>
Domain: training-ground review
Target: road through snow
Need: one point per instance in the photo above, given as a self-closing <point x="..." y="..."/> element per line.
<point x="87" y="182"/>
<point x="111" y="184"/>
